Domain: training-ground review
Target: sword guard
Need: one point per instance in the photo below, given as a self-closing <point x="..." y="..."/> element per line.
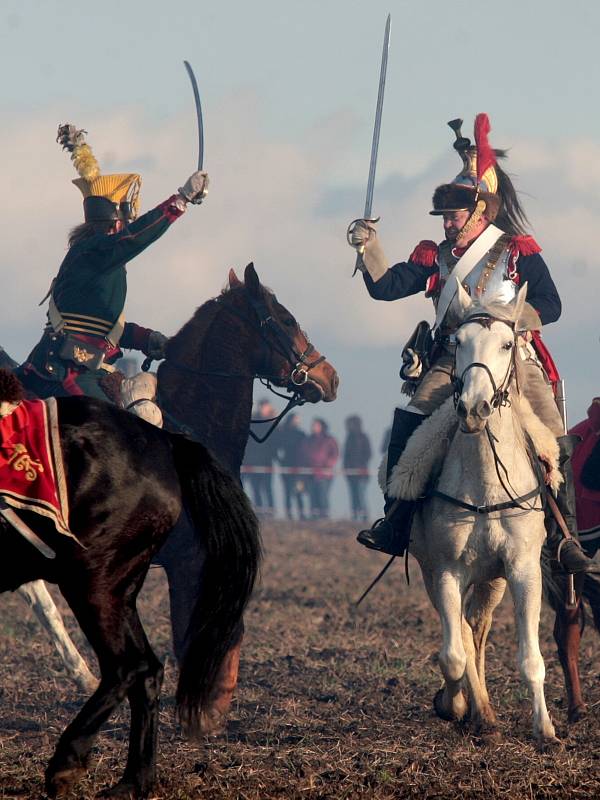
<point x="353" y="226"/>
<point x="360" y="249"/>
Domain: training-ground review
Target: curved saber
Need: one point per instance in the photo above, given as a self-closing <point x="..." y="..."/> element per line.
<point x="376" y="130"/>
<point x="190" y="72"/>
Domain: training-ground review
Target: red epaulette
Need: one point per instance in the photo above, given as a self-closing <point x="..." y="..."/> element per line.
<point x="524" y="246"/>
<point x="424" y="254"/>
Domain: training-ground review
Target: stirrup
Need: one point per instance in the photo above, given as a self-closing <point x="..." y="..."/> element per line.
<point x="383" y="537"/>
<point x="579" y="560"/>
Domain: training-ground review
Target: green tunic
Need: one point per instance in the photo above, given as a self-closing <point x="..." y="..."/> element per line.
<point x="90" y="292"/>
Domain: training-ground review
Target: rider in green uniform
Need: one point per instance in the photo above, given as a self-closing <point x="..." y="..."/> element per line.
<point x="86" y="328"/>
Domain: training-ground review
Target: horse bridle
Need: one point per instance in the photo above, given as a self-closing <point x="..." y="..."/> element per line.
<point x="500" y="393"/>
<point x="298" y="361"/>
<point x="499" y="399"/>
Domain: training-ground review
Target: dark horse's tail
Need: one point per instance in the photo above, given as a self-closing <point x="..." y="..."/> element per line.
<point x="222" y="513"/>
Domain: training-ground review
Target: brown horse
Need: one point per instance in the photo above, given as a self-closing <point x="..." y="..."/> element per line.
<point x="205" y="387"/>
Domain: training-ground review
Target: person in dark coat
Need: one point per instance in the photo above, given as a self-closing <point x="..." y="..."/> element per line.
<point x="357" y="454"/>
<point x="259" y="458"/>
<point x="290" y="456"/>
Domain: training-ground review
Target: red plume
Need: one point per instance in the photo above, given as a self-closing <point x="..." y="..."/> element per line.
<point x="485" y="154"/>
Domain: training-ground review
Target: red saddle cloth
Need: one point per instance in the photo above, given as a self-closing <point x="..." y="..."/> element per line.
<point x="31" y="466"/>
<point x="588" y="501"/>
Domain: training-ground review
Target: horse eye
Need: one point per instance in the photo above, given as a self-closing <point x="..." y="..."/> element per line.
<point x="507" y="346"/>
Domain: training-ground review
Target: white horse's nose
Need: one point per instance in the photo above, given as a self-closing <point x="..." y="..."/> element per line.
<point x="484" y="409"/>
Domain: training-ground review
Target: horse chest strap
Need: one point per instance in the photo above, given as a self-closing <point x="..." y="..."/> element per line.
<point x="490" y="509"/>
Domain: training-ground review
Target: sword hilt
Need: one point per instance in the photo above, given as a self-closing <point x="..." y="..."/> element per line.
<point x="360" y="249"/>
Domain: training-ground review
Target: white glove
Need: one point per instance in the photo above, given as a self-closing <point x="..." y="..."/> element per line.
<point x="412" y="365"/>
<point x="372" y="253"/>
<point x="195" y="189"/>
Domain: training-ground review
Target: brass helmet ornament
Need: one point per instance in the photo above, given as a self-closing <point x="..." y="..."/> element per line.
<point x="105" y="197"/>
<point x="475" y="188"/>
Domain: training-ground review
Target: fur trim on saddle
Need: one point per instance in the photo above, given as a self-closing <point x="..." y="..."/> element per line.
<point x="544" y="441"/>
<point x="11" y="392"/>
<point x="424" y="455"/>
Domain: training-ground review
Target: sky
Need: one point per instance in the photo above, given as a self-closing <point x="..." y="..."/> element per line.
<point x="288" y="92"/>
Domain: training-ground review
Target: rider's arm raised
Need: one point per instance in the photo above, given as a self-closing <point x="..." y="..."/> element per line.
<point x="132" y="240"/>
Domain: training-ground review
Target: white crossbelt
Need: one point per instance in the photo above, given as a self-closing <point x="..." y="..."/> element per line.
<point x="463" y="267"/>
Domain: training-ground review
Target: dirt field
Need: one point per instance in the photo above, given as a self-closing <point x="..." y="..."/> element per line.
<point x="333" y="702"/>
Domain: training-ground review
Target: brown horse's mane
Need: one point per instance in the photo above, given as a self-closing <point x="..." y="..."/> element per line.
<point x="197" y="327"/>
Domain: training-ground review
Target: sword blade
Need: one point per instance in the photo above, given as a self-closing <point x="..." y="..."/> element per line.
<point x="194" y="83"/>
<point x="378" y="116"/>
<point x="376" y="130"/>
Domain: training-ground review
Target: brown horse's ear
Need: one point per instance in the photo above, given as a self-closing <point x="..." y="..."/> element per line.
<point x="251" y="279"/>
<point x="233" y="279"/>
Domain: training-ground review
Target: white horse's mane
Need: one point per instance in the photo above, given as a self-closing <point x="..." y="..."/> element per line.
<point x="528" y="318"/>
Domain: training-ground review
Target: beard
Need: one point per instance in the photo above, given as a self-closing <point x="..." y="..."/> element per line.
<point x="452" y="234"/>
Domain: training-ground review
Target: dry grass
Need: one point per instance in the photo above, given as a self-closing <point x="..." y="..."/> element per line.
<point x="333" y="702"/>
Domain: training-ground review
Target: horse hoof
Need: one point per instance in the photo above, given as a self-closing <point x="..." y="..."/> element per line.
<point x="576" y="714"/>
<point x="486" y="733"/>
<point x="60" y="783"/>
<point x="439" y="708"/>
<point x="547" y="744"/>
<point x="122" y="791"/>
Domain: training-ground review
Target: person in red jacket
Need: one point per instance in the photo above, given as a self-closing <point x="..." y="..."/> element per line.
<point x="586" y="472"/>
<point x="320" y="454"/>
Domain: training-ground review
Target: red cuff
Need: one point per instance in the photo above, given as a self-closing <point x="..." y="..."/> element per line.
<point x="170" y="208"/>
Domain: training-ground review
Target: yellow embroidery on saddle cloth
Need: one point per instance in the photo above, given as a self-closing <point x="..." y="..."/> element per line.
<point x="32" y="474"/>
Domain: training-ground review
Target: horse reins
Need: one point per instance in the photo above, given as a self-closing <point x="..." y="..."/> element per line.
<point x="499" y="400"/>
<point x="298" y="361"/>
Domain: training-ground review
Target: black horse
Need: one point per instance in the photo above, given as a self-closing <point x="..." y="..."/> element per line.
<point x="128" y="483"/>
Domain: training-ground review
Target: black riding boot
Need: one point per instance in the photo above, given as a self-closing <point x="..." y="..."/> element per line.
<point x="567" y="552"/>
<point x="391" y="534"/>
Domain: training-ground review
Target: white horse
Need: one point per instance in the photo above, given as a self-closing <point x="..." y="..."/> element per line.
<point x="460" y="537"/>
<point x="41" y="602"/>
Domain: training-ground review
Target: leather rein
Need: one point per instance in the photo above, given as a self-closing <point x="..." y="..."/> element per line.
<point x="298" y="361"/>
<point x="500" y="399"/>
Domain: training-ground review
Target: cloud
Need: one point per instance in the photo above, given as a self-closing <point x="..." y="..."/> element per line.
<point x="283" y="204"/>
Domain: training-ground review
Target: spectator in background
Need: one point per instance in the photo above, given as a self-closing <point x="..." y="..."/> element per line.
<point x="321" y="453"/>
<point x="357" y="454"/>
<point x="289" y="454"/>
<point x="257" y="469"/>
